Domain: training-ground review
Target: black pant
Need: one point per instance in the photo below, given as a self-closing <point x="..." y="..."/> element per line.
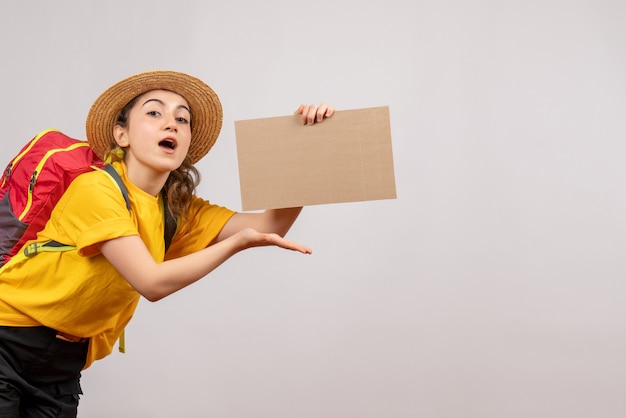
<point x="39" y="373"/>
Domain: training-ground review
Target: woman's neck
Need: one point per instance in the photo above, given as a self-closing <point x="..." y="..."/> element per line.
<point x="146" y="179"/>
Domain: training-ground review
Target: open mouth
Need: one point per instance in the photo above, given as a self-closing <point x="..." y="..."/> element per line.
<point x="169" y="144"/>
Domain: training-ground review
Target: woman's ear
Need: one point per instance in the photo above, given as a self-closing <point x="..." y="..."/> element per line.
<point x="121" y="136"/>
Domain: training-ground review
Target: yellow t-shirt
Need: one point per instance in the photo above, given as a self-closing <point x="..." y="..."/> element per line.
<point x="78" y="291"/>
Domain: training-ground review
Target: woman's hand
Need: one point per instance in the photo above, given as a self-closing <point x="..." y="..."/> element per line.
<point x="314" y="113"/>
<point x="157" y="280"/>
<point x="252" y="238"/>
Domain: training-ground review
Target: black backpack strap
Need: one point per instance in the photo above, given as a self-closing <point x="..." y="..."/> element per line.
<point x="113" y="173"/>
<point x="170" y="222"/>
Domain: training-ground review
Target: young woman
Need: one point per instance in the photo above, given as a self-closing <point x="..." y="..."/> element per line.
<point x="60" y="311"/>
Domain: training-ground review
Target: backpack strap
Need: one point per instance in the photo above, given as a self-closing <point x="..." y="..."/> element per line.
<point x="170" y="223"/>
<point x="120" y="184"/>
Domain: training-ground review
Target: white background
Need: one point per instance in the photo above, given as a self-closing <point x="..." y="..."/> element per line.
<point x="492" y="287"/>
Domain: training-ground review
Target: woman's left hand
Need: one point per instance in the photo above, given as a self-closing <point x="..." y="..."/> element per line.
<point x="314" y="113"/>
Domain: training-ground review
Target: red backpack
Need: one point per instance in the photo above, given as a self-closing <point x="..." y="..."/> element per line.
<point x="35" y="180"/>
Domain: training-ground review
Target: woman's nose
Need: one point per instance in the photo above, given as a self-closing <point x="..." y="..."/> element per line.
<point x="171" y="125"/>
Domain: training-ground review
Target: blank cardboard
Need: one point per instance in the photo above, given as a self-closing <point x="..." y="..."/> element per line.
<point x="346" y="158"/>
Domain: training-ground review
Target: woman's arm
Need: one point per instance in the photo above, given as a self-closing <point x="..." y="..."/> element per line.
<point x="155" y="280"/>
<point x="276" y="220"/>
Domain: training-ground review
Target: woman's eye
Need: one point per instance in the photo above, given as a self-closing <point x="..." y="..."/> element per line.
<point x="153" y="113"/>
<point x="182" y="120"/>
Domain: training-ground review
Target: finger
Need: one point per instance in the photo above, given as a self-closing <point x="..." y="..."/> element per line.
<point x="311" y="114"/>
<point x="321" y="111"/>
<point x="299" y="110"/>
<point x="304" y="113"/>
<point x="324" y="111"/>
<point x="288" y="245"/>
<point x="301" y="249"/>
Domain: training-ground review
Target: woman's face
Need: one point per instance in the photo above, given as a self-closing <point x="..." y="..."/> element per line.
<point x="158" y="132"/>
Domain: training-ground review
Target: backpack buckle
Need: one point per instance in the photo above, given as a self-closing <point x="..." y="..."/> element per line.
<point x="31" y="249"/>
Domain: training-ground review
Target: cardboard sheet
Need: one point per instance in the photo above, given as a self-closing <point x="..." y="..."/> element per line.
<point x="346" y="158"/>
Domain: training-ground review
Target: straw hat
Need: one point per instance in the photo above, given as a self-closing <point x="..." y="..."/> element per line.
<point x="205" y="107"/>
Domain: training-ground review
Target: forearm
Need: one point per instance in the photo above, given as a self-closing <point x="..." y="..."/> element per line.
<point x="280" y="220"/>
<point x="277" y="221"/>
<point x="155" y="280"/>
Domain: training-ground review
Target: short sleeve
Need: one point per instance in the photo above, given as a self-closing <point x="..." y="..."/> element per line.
<point x="206" y="220"/>
<point x="91" y="210"/>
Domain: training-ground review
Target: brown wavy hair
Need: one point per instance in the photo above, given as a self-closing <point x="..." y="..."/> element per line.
<point x="181" y="184"/>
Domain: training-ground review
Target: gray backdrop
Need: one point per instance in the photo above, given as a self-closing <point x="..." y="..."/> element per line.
<point x="492" y="287"/>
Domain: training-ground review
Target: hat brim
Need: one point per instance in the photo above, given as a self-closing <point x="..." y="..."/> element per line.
<point x="204" y="103"/>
